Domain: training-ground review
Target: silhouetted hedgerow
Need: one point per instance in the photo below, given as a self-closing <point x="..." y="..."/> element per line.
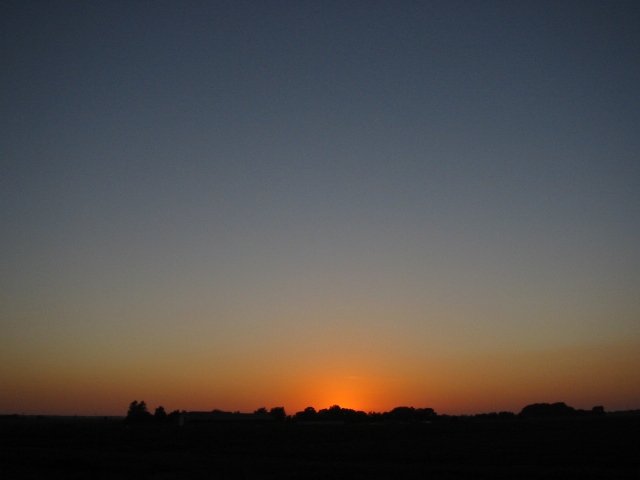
<point x="559" y="409"/>
<point x="138" y="414"/>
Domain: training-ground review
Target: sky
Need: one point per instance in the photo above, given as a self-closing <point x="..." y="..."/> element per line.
<point x="242" y="204"/>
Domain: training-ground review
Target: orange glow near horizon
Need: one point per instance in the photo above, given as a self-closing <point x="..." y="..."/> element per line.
<point x="346" y="391"/>
<point x="580" y="377"/>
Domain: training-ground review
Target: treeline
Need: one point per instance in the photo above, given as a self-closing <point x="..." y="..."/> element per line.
<point x="346" y="415"/>
<point x="559" y="409"/>
<point x="428" y="415"/>
<point x="139" y="413"/>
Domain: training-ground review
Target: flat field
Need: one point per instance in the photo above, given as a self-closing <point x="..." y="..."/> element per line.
<point x="593" y="447"/>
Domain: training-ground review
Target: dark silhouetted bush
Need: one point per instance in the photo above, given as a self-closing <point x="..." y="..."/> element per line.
<point x="545" y="410"/>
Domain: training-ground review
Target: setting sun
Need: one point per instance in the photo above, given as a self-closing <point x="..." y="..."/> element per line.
<point x="347" y="392"/>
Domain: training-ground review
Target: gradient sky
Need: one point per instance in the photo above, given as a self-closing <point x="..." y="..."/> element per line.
<point x="242" y="204"/>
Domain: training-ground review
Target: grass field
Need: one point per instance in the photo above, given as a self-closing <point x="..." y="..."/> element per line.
<point x="599" y="447"/>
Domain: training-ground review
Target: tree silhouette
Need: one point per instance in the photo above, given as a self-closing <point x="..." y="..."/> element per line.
<point x="307" y="415"/>
<point x="173" y="417"/>
<point x="160" y="415"/>
<point x="333" y="413"/>
<point x="138" y="412"/>
<point x="403" y="414"/>
<point x="278" y="414"/>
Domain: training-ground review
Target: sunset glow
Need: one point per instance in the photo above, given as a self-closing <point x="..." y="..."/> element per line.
<point x="222" y="205"/>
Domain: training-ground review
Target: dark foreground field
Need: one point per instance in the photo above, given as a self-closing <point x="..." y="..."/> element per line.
<point x="601" y="447"/>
